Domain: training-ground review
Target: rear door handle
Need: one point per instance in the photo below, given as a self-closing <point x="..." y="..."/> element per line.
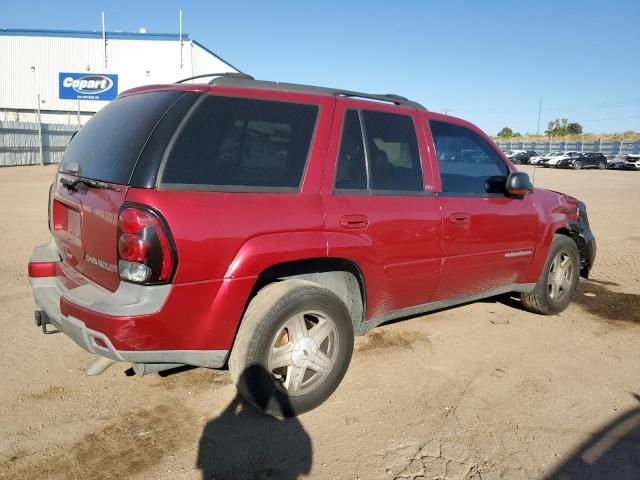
<point x="460" y="218"/>
<point x="354" y="221"/>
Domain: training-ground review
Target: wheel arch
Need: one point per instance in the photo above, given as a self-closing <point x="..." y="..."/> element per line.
<point x="581" y="243"/>
<point x="343" y="277"/>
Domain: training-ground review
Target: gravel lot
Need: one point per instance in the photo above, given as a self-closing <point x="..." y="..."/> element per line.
<point x="483" y="391"/>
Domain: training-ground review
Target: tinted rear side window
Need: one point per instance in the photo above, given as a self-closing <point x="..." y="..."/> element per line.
<point x="351" y="173"/>
<point x="109" y="145"/>
<point x="394" y="160"/>
<point x="232" y="143"/>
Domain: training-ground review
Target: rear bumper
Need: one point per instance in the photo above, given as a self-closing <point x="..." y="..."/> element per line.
<point x="191" y="323"/>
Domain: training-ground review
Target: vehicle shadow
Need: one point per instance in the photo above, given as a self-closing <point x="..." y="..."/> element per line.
<point x="595" y="297"/>
<point x="245" y="443"/>
<point x="612" y="453"/>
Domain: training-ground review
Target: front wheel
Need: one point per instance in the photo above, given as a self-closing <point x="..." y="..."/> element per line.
<point x="293" y="347"/>
<point x="577" y="165"/>
<point x="558" y="281"/>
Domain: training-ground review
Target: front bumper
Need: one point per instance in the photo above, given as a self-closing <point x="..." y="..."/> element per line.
<point x="585" y="240"/>
<point x="123" y="325"/>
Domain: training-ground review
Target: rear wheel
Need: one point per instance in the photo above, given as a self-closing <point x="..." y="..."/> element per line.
<point x="577" y="165"/>
<point x="602" y="165"/>
<point x="558" y="281"/>
<point x="293" y="347"/>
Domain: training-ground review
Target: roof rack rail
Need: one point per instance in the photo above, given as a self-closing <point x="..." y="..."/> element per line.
<point x="385" y="97"/>
<point x="222" y="74"/>
<point x="243" y="80"/>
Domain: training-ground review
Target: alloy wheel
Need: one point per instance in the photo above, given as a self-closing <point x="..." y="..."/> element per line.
<point x="560" y="276"/>
<point x="303" y="352"/>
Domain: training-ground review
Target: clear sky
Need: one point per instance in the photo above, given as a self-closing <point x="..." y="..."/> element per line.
<point x="486" y="61"/>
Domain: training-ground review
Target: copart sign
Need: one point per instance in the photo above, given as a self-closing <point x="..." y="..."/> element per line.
<point x="88" y="86"/>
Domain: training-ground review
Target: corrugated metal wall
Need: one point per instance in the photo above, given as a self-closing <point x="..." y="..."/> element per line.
<point x="20" y="143"/>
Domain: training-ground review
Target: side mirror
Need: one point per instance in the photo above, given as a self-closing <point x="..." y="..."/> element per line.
<point x="518" y="183"/>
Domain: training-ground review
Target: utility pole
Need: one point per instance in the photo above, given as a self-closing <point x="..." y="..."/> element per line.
<point x="445" y="110"/>
<point x="40" y="132"/>
<point x="104" y="40"/>
<point x="180" y="30"/>
<point x="35" y="87"/>
<point x="539" y="112"/>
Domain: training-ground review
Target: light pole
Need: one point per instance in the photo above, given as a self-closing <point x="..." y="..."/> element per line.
<point x="539" y="113"/>
<point x="35" y="87"/>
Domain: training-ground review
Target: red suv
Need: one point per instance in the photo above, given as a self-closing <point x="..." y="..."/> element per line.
<point x="262" y="225"/>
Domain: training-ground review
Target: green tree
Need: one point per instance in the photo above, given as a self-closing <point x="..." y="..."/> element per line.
<point x="506" y="132"/>
<point x="561" y="127"/>
<point x="574" y="128"/>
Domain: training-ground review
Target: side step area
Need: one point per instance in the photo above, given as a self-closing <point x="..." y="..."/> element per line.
<point x="142" y="369"/>
<point x="100" y="364"/>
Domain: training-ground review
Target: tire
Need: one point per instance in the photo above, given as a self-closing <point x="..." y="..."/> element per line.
<point x="551" y="297"/>
<point x="602" y="165"/>
<point x="276" y="363"/>
<point x="577" y="165"/>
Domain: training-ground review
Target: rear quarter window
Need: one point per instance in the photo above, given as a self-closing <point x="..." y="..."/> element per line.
<point x="108" y="146"/>
<point x="232" y="143"/>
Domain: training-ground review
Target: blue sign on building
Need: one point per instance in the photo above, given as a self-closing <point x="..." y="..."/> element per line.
<point x="88" y="86"/>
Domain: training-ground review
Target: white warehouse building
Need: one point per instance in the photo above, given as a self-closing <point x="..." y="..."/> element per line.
<point x="70" y="75"/>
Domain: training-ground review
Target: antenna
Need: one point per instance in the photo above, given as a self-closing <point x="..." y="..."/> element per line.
<point x="104" y="41"/>
<point x="180" y="30"/>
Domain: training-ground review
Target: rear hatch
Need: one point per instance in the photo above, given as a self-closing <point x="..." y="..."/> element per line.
<point x="93" y="179"/>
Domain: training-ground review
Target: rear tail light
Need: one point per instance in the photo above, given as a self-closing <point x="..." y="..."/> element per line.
<point x="145" y="249"/>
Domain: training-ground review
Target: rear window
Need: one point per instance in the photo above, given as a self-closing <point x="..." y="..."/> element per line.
<point x="109" y="145"/>
<point x="231" y="143"/>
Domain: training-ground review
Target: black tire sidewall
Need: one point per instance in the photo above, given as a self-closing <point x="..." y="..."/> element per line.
<point x="261" y="391"/>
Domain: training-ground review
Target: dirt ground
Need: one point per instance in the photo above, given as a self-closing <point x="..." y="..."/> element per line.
<point x="483" y="391"/>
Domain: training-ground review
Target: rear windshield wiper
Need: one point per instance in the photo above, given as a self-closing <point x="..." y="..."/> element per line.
<point x="84" y="184"/>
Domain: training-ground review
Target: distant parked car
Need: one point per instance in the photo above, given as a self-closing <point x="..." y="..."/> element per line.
<point x="632" y="162"/>
<point x="523" y="156"/>
<point x="560" y="158"/>
<point x="578" y="160"/>
<point x="511" y="153"/>
<point x="537" y="159"/>
<point x="545" y="160"/>
<point x="616" y="162"/>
